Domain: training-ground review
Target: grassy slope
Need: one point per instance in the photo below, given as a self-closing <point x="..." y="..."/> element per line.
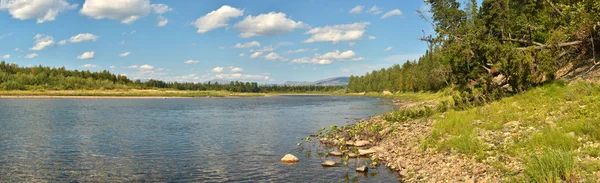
<point x="547" y="134"/>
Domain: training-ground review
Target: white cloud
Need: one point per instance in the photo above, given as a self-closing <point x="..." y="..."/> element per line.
<point x="217" y="69"/>
<point x="374" y="10"/>
<point x="86" y="55"/>
<point x="300" y="50"/>
<point x="146" y="67"/>
<point x="133" y="67"/>
<point x="42" y="10"/>
<point x="32" y="55"/>
<point x="388" y="49"/>
<point x="392" y="13"/>
<point x="267" y="25"/>
<point x="42" y="41"/>
<point x="255" y="54"/>
<point x="62" y="42"/>
<point x="124" y="54"/>
<point x="357" y="10"/>
<point x="242" y="54"/>
<point x="160" y="8"/>
<point x="238" y="76"/>
<point x="112" y="67"/>
<point x="122" y="42"/>
<point x="83" y="38"/>
<point x="352" y="43"/>
<point x="328" y="58"/>
<point x="372" y="38"/>
<point x="6" y="57"/>
<point x="161" y="21"/>
<point x="90" y="66"/>
<point x="264" y="49"/>
<point x="217" y="19"/>
<point x="337" y="33"/>
<point x="191" y="62"/>
<point x="247" y="45"/>
<point x="236" y="69"/>
<point x="17" y="49"/>
<point x="126" y="12"/>
<point x="275" y="56"/>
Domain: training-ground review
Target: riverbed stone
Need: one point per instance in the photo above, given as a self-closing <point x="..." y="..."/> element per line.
<point x="365" y="152"/>
<point x="328" y="163"/>
<point x="289" y="158"/>
<point x="336" y="153"/>
<point x="361" y="143"/>
<point x="350" y="143"/>
<point x="351" y="155"/>
<point x="362" y="169"/>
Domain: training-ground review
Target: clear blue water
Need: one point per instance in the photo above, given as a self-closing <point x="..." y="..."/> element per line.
<point x="174" y="140"/>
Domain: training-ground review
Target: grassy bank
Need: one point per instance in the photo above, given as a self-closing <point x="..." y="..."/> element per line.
<point x="125" y="93"/>
<point x="548" y="134"/>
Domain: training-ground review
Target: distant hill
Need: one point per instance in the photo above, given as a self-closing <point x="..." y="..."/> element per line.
<point x="336" y="81"/>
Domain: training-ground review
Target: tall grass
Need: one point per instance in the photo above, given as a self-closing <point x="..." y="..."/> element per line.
<point x="550" y="166"/>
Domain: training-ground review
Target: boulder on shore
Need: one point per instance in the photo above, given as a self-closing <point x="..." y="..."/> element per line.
<point x="336" y="153"/>
<point x="361" y="143"/>
<point x="328" y="163"/>
<point x="289" y="158"/>
<point x="365" y="152"/>
<point x="362" y="169"/>
<point x="351" y="155"/>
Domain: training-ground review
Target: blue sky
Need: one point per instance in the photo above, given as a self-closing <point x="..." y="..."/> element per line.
<point x="195" y="41"/>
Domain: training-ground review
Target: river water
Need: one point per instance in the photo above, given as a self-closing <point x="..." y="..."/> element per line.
<point x="175" y="140"/>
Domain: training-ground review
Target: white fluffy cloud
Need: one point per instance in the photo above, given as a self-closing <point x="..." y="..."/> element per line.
<point x="160" y="8"/>
<point x="124" y="54"/>
<point x="388" y="49"/>
<point x="62" y="42"/>
<point x="337" y="33"/>
<point x="217" y="69"/>
<point x="236" y="69"/>
<point x="6" y="57"/>
<point x="357" y="10"/>
<point x="264" y="49"/>
<point x="247" y="45"/>
<point x="217" y="18"/>
<point x="32" y="55"/>
<point x="242" y="54"/>
<point x="255" y="54"/>
<point x="83" y="38"/>
<point x="90" y="66"/>
<point x="191" y="62"/>
<point x="146" y="67"/>
<point x="42" y="41"/>
<point x="274" y="56"/>
<point x="238" y="76"/>
<point x="267" y="25"/>
<point x="86" y="55"/>
<point x="300" y="50"/>
<point x="372" y="38"/>
<point x="126" y="12"/>
<point x="374" y="10"/>
<point x="133" y="66"/>
<point x="392" y="13"/>
<point x="42" y="10"/>
<point x="351" y="43"/>
<point x="328" y="58"/>
<point x="161" y="21"/>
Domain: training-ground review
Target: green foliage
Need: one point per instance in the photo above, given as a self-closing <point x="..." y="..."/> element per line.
<point x="550" y="166"/>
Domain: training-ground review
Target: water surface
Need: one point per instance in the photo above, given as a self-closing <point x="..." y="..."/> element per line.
<point x="174" y="140"/>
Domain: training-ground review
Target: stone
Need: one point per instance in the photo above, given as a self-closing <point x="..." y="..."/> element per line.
<point x="478" y="170"/>
<point x="404" y="173"/>
<point x="324" y="140"/>
<point x="361" y="143"/>
<point x="511" y="124"/>
<point x="351" y="155"/>
<point x="328" y="163"/>
<point x="289" y="158"/>
<point x="362" y="169"/>
<point x="313" y="135"/>
<point x="387" y="92"/>
<point x="336" y="153"/>
<point x="385" y="131"/>
<point x="349" y="143"/>
<point x="571" y="134"/>
<point x="366" y="152"/>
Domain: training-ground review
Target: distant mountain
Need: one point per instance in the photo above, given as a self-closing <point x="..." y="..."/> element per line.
<point x="336" y="81"/>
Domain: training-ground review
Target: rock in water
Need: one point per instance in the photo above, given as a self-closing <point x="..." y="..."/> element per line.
<point x="328" y="163"/>
<point x="289" y="158"/>
<point x="349" y="143"/>
<point x="366" y="152"/>
<point x="336" y="153"/>
<point x="361" y="143"/>
<point x="351" y="155"/>
<point x="362" y="169"/>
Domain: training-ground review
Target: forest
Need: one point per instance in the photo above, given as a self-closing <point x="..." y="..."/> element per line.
<point x="14" y="77"/>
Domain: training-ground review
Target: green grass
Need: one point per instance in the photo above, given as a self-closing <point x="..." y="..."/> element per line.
<point x="549" y="166"/>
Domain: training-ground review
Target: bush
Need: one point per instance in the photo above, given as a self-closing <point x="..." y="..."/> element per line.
<point x="12" y="85"/>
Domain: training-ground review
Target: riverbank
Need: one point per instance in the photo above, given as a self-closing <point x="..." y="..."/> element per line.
<point x="548" y="134"/>
<point x="121" y="94"/>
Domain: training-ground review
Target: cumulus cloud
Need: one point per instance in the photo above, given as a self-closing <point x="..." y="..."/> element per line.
<point x="160" y="8"/>
<point x="6" y="56"/>
<point x="133" y="66"/>
<point x="126" y="12"/>
<point x="392" y="13"/>
<point x="372" y="38"/>
<point x="351" y="43"/>
<point x="42" y="41"/>
<point x="300" y="50"/>
<point x="191" y="62"/>
<point x="374" y="10"/>
<point x="236" y="69"/>
<point x="242" y="54"/>
<point x="86" y="55"/>
<point x="217" y="18"/>
<point x="255" y="54"/>
<point x="388" y="49"/>
<point x="124" y="54"/>
<point x="328" y="58"/>
<point x="62" y="42"/>
<point x="161" y="21"/>
<point x="274" y="56"/>
<point x="90" y="66"/>
<point x="247" y="45"/>
<point x="112" y="67"/>
<point x="217" y="69"/>
<point x="267" y="25"/>
<point x="238" y="76"/>
<point x="337" y="33"/>
<point x="357" y="10"/>
<point x="32" y="55"/>
<point x="83" y="38"/>
<point x="42" y="10"/>
<point x="146" y="67"/>
<point x="264" y="49"/>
